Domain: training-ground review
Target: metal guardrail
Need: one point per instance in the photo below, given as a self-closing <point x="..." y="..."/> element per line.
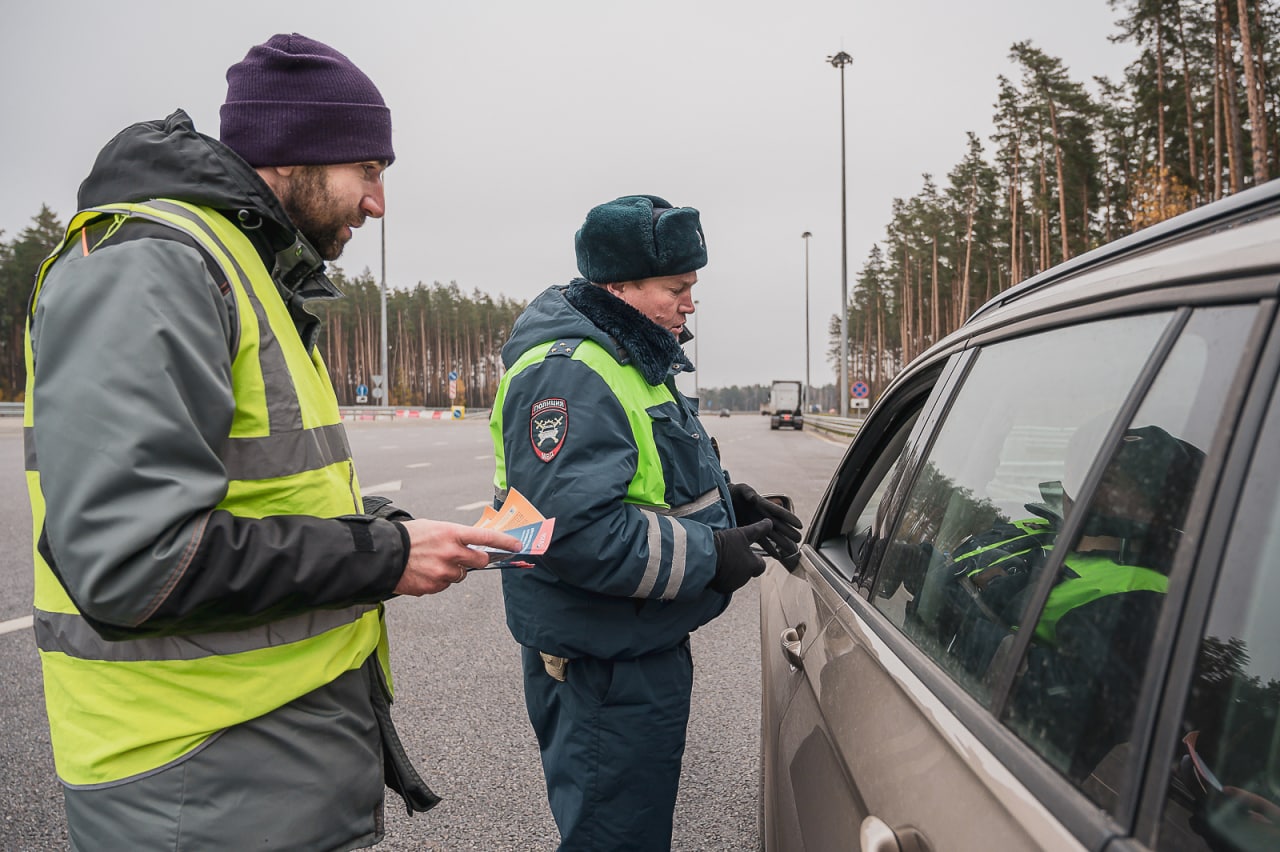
<point x="404" y="412"/>
<point x="845" y="427"/>
<point x="349" y="412"/>
<point x="842" y="426"/>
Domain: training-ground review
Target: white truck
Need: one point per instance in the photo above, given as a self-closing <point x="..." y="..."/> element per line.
<point x="786" y="404"/>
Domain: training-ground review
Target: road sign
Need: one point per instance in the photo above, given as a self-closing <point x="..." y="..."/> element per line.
<point x="362" y="389"/>
<point x="361" y="398"/>
<point x="859" y="403"/>
<point x="377" y="381"/>
<point x="453" y="375"/>
<point x="859" y="390"/>
<point x="378" y="393"/>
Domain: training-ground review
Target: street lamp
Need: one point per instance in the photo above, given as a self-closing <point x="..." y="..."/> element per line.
<point x="840" y="60"/>
<point x="385" y="390"/>
<point x="697" y="364"/>
<point x="807" y="388"/>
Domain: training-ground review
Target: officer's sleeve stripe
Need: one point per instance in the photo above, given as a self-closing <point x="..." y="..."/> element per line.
<point x="654" y="537"/>
<point x="679" y="556"/>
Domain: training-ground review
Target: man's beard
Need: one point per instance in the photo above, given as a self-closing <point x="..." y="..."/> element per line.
<point x="314" y="211"/>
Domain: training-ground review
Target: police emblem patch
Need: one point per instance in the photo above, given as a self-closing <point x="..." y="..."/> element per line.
<point x="548" y="426"/>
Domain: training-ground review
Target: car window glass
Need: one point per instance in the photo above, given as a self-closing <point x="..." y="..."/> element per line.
<point x="986" y="502"/>
<point x="1224" y="788"/>
<point x="868" y="501"/>
<point x="1076" y="693"/>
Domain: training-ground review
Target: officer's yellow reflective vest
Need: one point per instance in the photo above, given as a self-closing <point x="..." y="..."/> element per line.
<point x="118" y="709"/>
<point x="1096" y="577"/>
<point x="637" y="396"/>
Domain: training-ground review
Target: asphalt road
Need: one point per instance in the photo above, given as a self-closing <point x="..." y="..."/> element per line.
<point x="459" y="705"/>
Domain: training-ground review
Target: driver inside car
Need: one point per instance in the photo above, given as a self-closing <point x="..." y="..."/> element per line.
<point x="1091" y="639"/>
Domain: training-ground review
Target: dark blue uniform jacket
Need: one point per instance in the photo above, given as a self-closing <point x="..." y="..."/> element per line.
<point x="619" y="580"/>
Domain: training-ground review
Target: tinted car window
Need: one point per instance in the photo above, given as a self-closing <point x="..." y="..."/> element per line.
<point x="996" y="464"/>
<point x="1224" y="792"/>
<point x="1078" y="687"/>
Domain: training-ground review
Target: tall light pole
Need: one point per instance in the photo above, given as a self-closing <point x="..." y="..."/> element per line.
<point x="807" y="386"/>
<point x="840" y="60"/>
<point x="697" y="364"/>
<point x="386" y="382"/>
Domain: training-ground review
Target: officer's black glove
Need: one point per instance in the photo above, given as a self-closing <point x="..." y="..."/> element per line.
<point x="736" y="563"/>
<point x="783" y="541"/>
<point x="382" y="507"/>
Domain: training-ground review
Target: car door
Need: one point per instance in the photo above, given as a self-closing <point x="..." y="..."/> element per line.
<point x="807" y="799"/>
<point x="894" y="731"/>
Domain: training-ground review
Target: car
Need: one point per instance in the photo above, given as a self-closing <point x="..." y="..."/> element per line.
<point x="724" y="412"/>
<point x="1035" y="607"/>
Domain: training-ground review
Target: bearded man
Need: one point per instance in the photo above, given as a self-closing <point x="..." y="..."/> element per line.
<point x="208" y="577"/>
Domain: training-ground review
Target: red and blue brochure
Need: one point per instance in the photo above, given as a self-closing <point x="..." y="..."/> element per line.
<point x="516" y="517"/>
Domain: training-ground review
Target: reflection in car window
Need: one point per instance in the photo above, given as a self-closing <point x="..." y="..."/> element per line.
<point x="1224" y="790"/>
<point x="1077" y="689"/>
<point x="860" y="521"/>
<point x="997" y="463"/>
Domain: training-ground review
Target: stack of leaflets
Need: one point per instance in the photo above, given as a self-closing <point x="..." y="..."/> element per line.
<point x="516" y="517"/>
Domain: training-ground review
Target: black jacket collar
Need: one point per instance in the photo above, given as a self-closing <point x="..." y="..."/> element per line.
<point x="653" y="350"/>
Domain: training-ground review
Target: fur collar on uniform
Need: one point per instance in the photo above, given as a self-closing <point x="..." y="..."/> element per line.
<point x="653" y="350"/>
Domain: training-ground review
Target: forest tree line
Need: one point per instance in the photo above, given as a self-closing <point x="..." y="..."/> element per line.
<point x="1072" y="165"/>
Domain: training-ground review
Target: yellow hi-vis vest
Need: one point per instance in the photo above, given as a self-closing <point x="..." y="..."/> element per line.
<point x="648" y="487"/>
<point x="1096" y="577"/>
<point x="119" y="709"/>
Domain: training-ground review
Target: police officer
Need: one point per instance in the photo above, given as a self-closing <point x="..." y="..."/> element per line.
<point x="651" y="538"/>
<point x="208" y="576"/>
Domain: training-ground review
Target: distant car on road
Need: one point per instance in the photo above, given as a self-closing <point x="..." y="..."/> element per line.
<point x="1092" y="456"/>
<point x="724" y="412"/>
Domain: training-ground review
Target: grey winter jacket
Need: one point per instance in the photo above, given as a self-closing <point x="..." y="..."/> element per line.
<point x="133" y="397"/>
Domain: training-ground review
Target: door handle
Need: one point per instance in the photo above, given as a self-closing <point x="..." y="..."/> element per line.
<point x="877" y="836"/>
<point x="791" y="646"/>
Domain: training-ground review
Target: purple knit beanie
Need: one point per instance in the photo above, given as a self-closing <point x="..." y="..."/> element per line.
<point x="296" y="102"/>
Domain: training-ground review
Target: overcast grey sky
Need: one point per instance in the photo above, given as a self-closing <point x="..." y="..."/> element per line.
<point x="513" y="118"/>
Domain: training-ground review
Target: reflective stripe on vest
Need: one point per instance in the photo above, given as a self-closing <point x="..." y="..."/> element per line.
<point x="1098" y="577"/>
<point x="1032" y="534"/>
<point x="648" y="487"/>
<point x="121" y="709"/>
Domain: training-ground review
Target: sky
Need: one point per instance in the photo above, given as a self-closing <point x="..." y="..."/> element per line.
<point x="513" y="118"/>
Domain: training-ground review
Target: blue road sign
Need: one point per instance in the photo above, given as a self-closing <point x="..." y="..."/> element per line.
<point x="859" y="390"/>
<point x="362" y="389"/>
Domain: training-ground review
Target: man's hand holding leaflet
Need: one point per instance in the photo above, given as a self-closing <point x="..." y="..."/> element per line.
<point x="517" y="517"/>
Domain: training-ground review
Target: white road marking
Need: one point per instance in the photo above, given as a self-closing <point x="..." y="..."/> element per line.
<point x="419" y="464"/>
<point x="470" y="506"/>
<point x="485" y="456"/>
<point x="13" y="624"/>
<point x="393" y="485"/>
